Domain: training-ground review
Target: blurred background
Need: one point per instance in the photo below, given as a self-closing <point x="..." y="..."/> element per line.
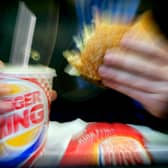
<point x="57" y="22"/>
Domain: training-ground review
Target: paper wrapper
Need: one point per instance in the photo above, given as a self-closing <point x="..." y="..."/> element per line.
<point x="79" y="143"/>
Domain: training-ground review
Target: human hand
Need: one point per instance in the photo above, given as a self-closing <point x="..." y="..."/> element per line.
<point x="53" y="95"/>
<point x="139" y="71"/>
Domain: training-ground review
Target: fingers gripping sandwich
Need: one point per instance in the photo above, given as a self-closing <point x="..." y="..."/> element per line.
<point x="96" y="39"/>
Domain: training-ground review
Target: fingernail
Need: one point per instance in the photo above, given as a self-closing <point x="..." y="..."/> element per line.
<point x="109" y="84"/>
<point x="53" y="95"/>
<point x="101" y="69"/>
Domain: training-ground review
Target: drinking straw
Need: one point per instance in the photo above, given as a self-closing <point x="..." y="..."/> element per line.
<point x="23" y="36"/>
